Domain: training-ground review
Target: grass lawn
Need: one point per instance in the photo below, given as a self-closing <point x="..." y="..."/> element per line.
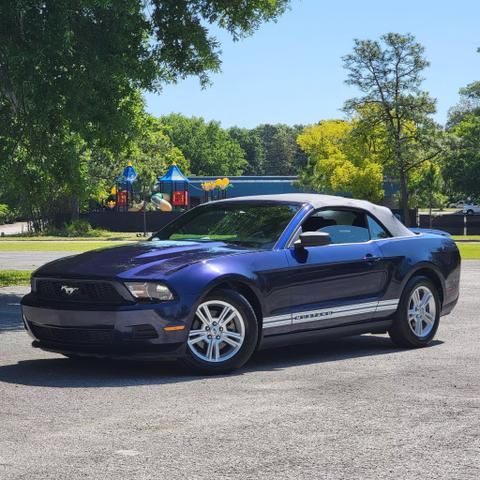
<point x="107" y="236"/>
<point x="55" y="245"/>
<point x="9" y="278"/>
<point x="437" y="211"/>
<point x="466" y="237"/>
<point x="469" y="251"/>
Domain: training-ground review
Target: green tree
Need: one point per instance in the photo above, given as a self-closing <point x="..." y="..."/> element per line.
<point x="71" y="70"/>
<point x="463" y="160"/>
<point x="388" y="73"/>
<point x="251" y="142"/>
<point x="427" y="187"/>
<point x="462" y="164"/>
<point x="153" y="152"/>
<point x="209" y="149"/>
<point x="339" y="162"/>
<point x="282" y="154"/>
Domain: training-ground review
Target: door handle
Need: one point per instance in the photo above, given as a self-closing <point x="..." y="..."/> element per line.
<point x="371" y="258"/>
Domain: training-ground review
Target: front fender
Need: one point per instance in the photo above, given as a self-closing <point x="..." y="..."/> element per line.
<point x="195" y="283"/>
<point x="232" y="279"/>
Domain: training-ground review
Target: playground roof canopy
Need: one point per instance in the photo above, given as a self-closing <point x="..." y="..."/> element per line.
<point x="129" y="174"/>
<point x="174" y="174"/>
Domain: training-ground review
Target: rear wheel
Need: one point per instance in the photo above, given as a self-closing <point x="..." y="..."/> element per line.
<point x="470" y="212"/>
<point x="418" y="315"/>
<point x="223" y="334"/>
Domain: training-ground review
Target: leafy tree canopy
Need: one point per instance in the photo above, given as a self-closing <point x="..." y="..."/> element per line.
<point x="339" y="162"/>
<point x="252" y="144"/>
<point x="427" y="186"/>
<point x="463" y="155"/>
<point x="282" y="154"/>
<point x="463" y="159"/>
<point x="209" y="149"/>
<point x="71" y="70"/>
<point x="469" y="104"/>
<point x="388" y="73"/>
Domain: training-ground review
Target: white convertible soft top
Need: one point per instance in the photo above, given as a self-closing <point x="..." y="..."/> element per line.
<point x="383" y="214"/>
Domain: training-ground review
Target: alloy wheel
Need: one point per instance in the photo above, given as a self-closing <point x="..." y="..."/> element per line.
<point x="422" y="311"/>
<point x="217" y="333"/>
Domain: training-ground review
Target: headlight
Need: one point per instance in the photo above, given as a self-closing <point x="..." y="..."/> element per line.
<point x="149" y="291"/>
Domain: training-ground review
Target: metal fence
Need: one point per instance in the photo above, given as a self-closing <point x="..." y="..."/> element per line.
<point x="130" y="221"/>
<point x="455" y="224"/>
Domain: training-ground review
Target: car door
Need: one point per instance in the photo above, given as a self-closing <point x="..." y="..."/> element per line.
<point x="340" y="283"/>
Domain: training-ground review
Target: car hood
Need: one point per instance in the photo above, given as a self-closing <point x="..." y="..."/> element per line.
<point x="142" y="260"/>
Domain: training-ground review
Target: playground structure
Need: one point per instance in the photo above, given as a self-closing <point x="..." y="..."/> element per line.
<point x="132" y="207"/>
<point x="170" y="193"/>
<point x="173" y="188"/>
<point x="121" y="194"/>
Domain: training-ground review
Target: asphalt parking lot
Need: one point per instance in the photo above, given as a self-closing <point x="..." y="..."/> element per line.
<point x="353" y="408"/>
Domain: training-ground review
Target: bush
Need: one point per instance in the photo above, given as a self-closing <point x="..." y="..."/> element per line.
<point x="76" y="228"/>
<point x="6" y="214"/>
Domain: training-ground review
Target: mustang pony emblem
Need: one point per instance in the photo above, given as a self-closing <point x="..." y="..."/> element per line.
<point x="69" y="290"/>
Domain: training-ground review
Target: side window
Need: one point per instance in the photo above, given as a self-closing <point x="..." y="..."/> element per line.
<point x="376" y="230"/>
<point x="344" y="226"/>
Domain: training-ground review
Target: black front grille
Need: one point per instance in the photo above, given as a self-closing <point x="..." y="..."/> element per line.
<point x="73" y="336"/>
<point x="78" y="291"/>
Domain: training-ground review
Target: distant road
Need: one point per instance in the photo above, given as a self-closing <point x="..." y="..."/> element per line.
<point x="28" y="260"/>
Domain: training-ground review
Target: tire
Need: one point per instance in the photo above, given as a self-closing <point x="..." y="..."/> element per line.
<point x="470" y="212"/>
<point x="215" y="344"/>
<point x="405" y="331"/>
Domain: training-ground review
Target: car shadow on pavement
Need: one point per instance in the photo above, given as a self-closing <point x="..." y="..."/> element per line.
<point x="328" y="350"/>
<point x="93" y="373"/>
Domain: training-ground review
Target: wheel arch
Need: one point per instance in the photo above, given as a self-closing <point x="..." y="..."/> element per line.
<point x="433" y="274"/>
<point x="244" y="287"/>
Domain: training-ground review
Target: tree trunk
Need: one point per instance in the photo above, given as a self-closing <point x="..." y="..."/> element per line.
<point x="74" y="208"/>
<point x="404" y="198"/>
<point x="430" y="207"/>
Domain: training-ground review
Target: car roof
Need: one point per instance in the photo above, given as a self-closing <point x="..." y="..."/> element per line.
<point x="383" y="214"/>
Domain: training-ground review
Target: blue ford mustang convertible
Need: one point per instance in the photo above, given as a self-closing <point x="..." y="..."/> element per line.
<point x="230" y="277"/>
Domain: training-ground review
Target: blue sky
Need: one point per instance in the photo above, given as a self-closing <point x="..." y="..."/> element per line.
<point x="291" y="71"/>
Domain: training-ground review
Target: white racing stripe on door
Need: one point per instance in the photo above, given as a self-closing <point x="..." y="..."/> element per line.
<point x="386" y="305"/>
<point x="277" y="321"/>
<point x="333" y="312"/>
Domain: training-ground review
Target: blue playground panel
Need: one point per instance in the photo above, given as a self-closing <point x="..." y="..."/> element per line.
<point x="249" y="185"/>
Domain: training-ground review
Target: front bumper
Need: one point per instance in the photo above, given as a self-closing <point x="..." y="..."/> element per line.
<point x="138" y="333"/>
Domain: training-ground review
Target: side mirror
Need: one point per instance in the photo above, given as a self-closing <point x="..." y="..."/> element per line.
<point x="313" y="239"/>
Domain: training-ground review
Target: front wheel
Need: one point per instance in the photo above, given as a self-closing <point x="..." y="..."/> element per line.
<point x="418" y="315"/>
<point x="223" y="335"/>
<point x="470" y="212"/>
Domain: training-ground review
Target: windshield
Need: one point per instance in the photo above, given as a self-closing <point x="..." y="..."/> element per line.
<point x="246" y="224"/>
